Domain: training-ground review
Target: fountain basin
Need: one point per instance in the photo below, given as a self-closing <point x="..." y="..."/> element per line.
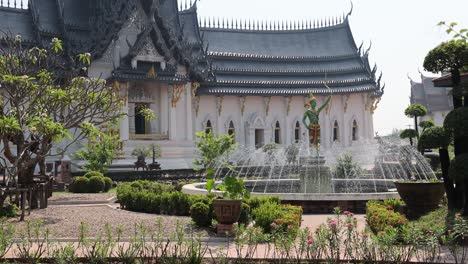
<point x="310" y="202"/>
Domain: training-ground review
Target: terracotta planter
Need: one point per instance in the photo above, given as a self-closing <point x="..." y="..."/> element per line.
<point x="227" y="211"/>
<point x="420" y="197"/>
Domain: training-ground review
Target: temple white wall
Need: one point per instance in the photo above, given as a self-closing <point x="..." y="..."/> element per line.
<point x="259" y="114"/>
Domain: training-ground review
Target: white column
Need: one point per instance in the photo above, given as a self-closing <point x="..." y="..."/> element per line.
<point x="131" y="119"/>
<point x="188" y="112"/>
<point x="172" y="116"/>
<point x="163" y="109"/>
<point x="154" y="122"/>
<point x="123" y="122"/>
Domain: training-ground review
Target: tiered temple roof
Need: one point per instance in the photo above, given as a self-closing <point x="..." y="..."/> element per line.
<point x="228" y="57"/>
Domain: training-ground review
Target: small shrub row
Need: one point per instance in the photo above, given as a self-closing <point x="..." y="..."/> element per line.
<point x="381" y="216"/>
<point x="91" y="182"/>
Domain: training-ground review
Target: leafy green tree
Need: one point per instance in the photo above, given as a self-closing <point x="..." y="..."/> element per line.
<point x="415" y="111"/>
<point x="211" y="146"/>
<point x="99" y="152"/>
<point x="437" y="137"/>
<point x="46" y="97"/>
<point x="408" y="133"/>
<point x="452" y="57"/>
<point x="426" y="124"/>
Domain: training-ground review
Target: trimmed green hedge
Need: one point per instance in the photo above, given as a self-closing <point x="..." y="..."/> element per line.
<point x="156" y="198"/>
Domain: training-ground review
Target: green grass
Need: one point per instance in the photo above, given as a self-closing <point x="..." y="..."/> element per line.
<point x="434" y="221"/>
<point x="59" y="193"/>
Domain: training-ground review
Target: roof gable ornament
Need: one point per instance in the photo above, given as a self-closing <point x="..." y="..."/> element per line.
<point x="351" y="10"/>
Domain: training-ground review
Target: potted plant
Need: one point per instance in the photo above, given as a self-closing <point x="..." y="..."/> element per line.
<point x="228" y="206"/>
<point x="420" y="196"/>
<point x="141" y="152"/>
<point x="156" y="150"/>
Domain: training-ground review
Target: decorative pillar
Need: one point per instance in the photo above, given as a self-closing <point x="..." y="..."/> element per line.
<point x="163" y="110"/>
<point x="131" y="117"/>
<point x="124" y="124"/>
<point x="188" y="112"/>
<point x="172" y="114"/>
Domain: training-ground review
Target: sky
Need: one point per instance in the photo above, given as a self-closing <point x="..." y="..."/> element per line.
<point x="402" y="33"/>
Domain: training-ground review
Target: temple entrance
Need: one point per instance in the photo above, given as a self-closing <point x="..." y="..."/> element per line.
<point x="140" y="122"/>
<point x="259" y="138"/>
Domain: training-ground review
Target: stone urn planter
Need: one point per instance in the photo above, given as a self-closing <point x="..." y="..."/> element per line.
<point x="420" y="197"/>
<point x="227" y="211"/>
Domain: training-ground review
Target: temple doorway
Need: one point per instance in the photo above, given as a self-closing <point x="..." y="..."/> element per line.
<point x="140" y="122"/>
<point x="259" y="138"/>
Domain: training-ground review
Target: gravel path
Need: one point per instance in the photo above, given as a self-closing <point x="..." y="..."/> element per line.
<point x="80" y="197"/>
<point x="64" y="221"/>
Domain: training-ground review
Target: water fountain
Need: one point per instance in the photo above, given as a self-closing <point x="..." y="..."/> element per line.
<point x="341" y="176"/>
<point x="301" y="174"/>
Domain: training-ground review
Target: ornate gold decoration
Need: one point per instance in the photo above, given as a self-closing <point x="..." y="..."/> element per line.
<point x="197" y="105"/>
<point x="177" y="91"/>
<point x="346" y="103"/>
<point x="195" y="86"/>
<point x="151" y="74"/>
<point x="267" y="101"/>
<point x="242" y="101"/>
<point x="374" y="105"/>
<point x="220" y="100"/>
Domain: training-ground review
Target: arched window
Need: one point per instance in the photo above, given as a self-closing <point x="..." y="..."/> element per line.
<point x="336" y="131"/>
<point x="277" y="133"/>
<point x="232" y="130"/>
<point x="354" y="131"/>
<point x="297" y="132"/>
<point x="208" y="127"/>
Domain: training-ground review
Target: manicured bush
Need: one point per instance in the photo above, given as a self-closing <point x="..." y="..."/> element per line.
<point x="96" y="184"/>
<point x="79" y="185"/>
<point x="107" y="184"/>
<point x="245" y="214"/>
<point x="90" y="174"/>
<point x="201" y="214"/>
<point x="381" y="216"/>
<point x="266" y="214"/>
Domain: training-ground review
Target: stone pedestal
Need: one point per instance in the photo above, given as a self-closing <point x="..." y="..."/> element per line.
<point x="315" y="176"/>
<point x="224" y="230"/>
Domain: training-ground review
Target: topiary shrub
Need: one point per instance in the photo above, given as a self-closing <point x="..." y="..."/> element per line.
<point x="200" y="214"/>
<point x="434" y="138"/>
<point x="456" y="122"/>
<point x="96" y="184"/>
<point x="79" y="185"/>
<point x="255" y="202"/>
<point x="107" y="184"/>
<point x="90" y="174"/>
<point x="459" y="167"/>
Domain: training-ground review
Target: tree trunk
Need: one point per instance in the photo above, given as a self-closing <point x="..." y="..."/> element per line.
<point x="411" y="141"/>
<point x="448" y="183"/>
<point x="416" y="127"/>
